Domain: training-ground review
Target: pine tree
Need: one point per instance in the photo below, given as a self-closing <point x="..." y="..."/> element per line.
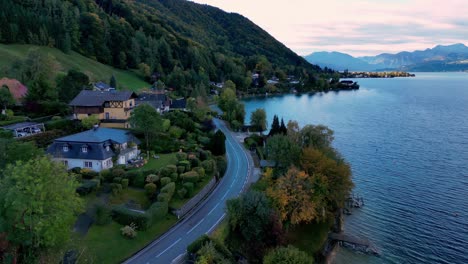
<point x="275" y="126"/>
<point x="113" y="82"/>
<point x="283" y="130"/>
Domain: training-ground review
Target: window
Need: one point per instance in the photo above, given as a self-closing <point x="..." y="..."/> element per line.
<point x="84" y="149"/>
<point x="88" y="164"/>
<point x="107" y="148"/>
<point x="65" y="148"/>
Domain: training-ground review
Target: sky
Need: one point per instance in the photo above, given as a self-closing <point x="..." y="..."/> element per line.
<point x="356" y="27"/>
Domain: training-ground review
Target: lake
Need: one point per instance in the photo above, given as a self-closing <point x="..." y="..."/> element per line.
<point x="407" y="142"/>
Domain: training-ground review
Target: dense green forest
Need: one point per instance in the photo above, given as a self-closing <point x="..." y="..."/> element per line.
<point x="181" y="43"/>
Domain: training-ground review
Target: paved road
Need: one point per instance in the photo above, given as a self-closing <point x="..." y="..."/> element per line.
<point x="209" y="214"/>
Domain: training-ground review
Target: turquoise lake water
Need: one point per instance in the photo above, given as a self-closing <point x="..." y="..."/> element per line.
<point x="407" y="142"/>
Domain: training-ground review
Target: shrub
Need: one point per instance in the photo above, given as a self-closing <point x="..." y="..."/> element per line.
<point x="180" y="169"/>
<point x="189" y="186"/>
<point x="116" y="188"/>
<point x="184" y="163"/>
<point x="200" y="171"/>
<point x="88" y="173"/>
<point x="169" y="189"/>
<point x="76" y="170"/>
<point x="198" y="243"/>
<point x="129" y="231"/>
<point x="171" y="169"/>
<point x="203" y="154"/>
<point x="191" y="176"/>
<point x="97" y="181"/>
<point x="150" y="189"/>
<point x="131" y="175"/>
<point x="139" y="180"/>
<point x="86" y="187"/>
<point x="152" y="178"/>
<point x="165" y="181"/>
<point x="107" y="175"/>
<point x="221" y="165"/>
<point x="124" y="183"/>
<point x="102" y="214"/>
<point x="195" y="162"/>
<point x="209" y="165"/>
<point x="182" y="193"/>
<point x="164" y="197"/>
<point x="117" y="180"/>
<point x="174" y="177"/>
<point x="181" y="156"/>
<point x="118" y="172"/>
<point x="158" y="210"/>
<point x="125" y="216"/>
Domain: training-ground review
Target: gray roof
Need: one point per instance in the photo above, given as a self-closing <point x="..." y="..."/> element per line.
<point x="155" y="100"/>
<point x="95" y="140"/>
<point x="96" y="151"/>
<point x="98" y="98"/>
<point x="100" y="135"/>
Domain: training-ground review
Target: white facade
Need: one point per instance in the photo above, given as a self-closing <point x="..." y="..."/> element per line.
<point x="96" y="165"/>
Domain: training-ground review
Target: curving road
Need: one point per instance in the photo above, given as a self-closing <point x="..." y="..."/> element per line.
<point x="202" y="220"/>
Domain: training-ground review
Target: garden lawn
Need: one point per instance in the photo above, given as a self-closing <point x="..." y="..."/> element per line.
<point x="309" y="237"/>
<point x="164" y="159"/>
<point x="105" y="244"/>
<point x="137" y="195"/>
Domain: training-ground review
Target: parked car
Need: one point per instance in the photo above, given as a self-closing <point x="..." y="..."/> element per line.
<point x="21" y="133"/>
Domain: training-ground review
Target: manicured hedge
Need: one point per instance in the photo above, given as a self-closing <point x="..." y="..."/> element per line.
<point x="165" y="181"/>
<point x="158" y="210"/>
<point x="125" y="216"/>
<point x="191" y="176"/>
<point x="169" y="189"/>
<point x="86" y="187"/>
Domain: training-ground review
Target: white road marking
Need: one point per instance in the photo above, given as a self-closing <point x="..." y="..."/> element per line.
<point x="213" y="208"/>
<point x="195" y="226"/>
<point x="224" y="196"/>
<point x="215" y="224"/>
<point x="173" y="244"/>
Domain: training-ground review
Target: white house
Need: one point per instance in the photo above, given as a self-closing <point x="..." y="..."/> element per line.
<point x="95" y="149"/>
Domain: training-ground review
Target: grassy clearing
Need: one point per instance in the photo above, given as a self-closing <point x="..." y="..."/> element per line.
<point x="310" y="237"/>
<point x="164" y="160"/>
<point x="105" y="244"/>
<point x="95" y="70"/>
<point x="137" y="195"/>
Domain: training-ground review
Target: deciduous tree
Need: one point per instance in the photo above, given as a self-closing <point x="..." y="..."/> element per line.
<point x="258" y="119"/>
<point x="147" y="120"/>
<point x="38" y="205"/>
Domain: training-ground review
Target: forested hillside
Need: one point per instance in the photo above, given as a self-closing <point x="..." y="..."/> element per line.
<point x="184" y="44"/>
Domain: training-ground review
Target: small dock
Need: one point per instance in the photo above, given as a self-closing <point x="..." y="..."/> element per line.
<point x="355" y="243"/>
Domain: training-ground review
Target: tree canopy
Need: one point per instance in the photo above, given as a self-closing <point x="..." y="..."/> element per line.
<point x="287" y="255"/>
<point x="38" y="205"/>
<point x="258" y="119"/>
<point x="147" y="120"/>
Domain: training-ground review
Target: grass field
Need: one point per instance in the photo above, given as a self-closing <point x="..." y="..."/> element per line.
<point x="96" y="71"/>
<point x="162" y="161"/>
<point x="116" y="248"/>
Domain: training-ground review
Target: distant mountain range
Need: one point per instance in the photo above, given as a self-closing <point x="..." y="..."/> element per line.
<point x="440" y="58"/>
